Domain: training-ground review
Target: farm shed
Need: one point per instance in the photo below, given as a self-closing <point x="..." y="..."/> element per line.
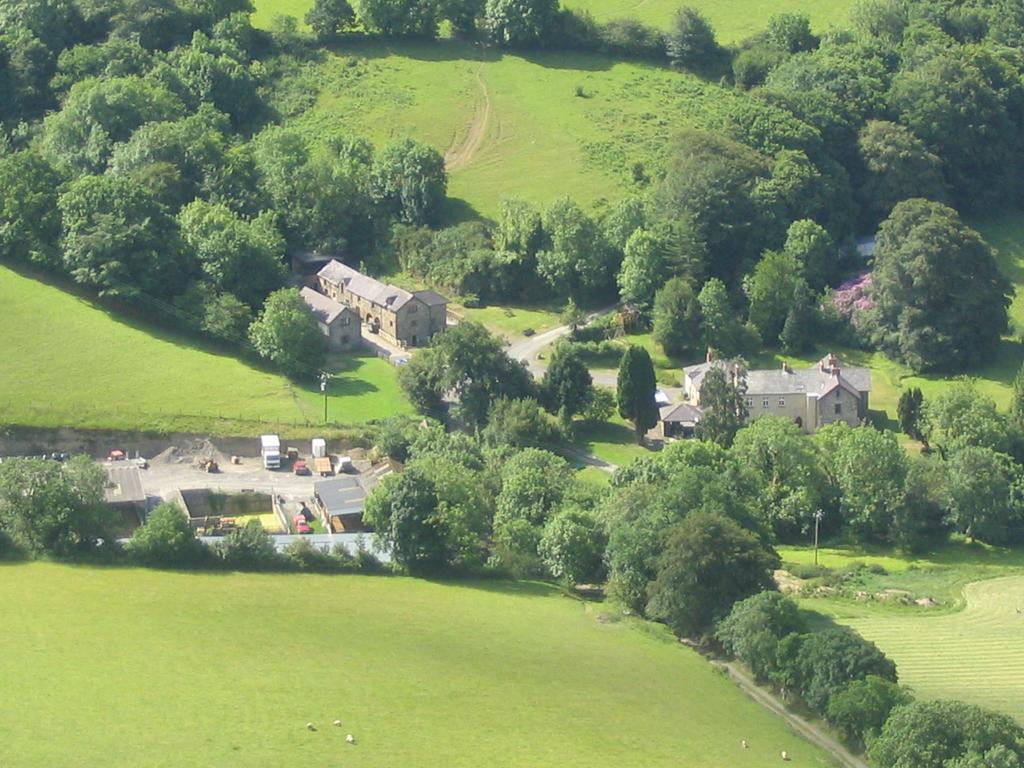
<point x="340" y="502"/>
<point x="124" y="492"/>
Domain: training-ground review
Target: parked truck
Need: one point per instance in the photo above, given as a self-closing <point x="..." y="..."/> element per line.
<point x="270" y="448"/>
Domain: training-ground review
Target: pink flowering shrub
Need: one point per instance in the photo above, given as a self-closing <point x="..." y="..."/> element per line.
<point x="851" y="298"/>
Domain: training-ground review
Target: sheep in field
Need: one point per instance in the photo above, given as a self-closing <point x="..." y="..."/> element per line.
<point x="785" y="755"/>
<point x="337" y="723"/>
<point x="350" y="739"/>
<point x="310" y="727"/>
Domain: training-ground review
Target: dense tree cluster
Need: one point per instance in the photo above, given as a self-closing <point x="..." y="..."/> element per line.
<point x="140" y="159"/>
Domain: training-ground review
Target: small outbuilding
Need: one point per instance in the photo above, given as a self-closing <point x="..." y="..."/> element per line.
<point x="340" y="502"/>
<point x="679" y="421"/>
<point x="124" y="492"/>
<point x="340" y="324"/>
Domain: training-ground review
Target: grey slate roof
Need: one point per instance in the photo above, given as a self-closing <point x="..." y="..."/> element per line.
<point x="684" y="413"/>
<point x="431" y="298"/>
<point x="342" y="495"/>
<point x="125" y="486"/>
<point x="326" y="309"/>
<point x="384" y="295"/>
<point x="779" y="381"/>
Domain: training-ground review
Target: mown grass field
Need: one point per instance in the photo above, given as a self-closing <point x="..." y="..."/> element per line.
<point x="126" y="667"/>
<point x="733" y="20"/>
<point x="976" y="655"/>
<point x="70" y="363"/>
<point x="969" y="646"/>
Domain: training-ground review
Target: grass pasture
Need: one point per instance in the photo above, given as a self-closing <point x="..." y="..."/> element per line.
<point x="175" y="669"/>
<point x="70" y="363"/>
<point x="733" y="20"/>
<point x="533" y="137"/>
<point x="976" y="655"/>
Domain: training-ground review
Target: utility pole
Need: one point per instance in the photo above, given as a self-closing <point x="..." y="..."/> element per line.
<point x="324" y="376"/>
<point x="818" y="514"/>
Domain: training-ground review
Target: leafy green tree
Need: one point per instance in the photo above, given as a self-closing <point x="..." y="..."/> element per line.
<point x="869" y="469"/>
<point x="677" y="318"/>
<point x="287" y="334"/>
<point x="193" y="151"/>
<point x="622" y="220"/>
<point x="960" y="416"/>
<point x="897" y="166"/>
<point x="793" y="484"/>
<point x="213" y="75"/>
<point x="398" y="18"/>
<point x="245" y="258"/>
<point x="99" y="113"/>
<point x="940" y="300"/>
<point x="935" y="734"/>
<point x="954" y="102"/>
<point x="790" y="32"/>
<point x="572" y="547"/>
<point x="167" y="540"/>
<point x="708" y="564"/>
<point x="225" y="317"/>
<point x="921" y="522"/>
<point x="55" y="509"/>
<point x="770" y="289"/>
<point x="643" y="268"/>
<point x="515" y="23"/>
<point x="800" y="331"/>
<point x="120" y="240"/>
<point x="403" y="512"/>
<point x="635" y="390"/>
<point x="249" y="548"/>
<point x="29" y="218"/>
<point x="575" y="259"/>
<point x="519" y="227"/>
<point x="984" y="490"/>
<point x="690" y="40"/>
<point x="410" y="177"/>
<point x="909" y="412"/>
<point x="861" y="708"/>
<point x="883" y="19"/>
<point x="330" y="18"/>
<point x="813" y="248"/>
<point x="519" y="423"/>
<point x="1017" y="403"/>
<point x="709" y="180"/>
<point x="722" y="398"/>
<point x="831" y="659"/>
<point x="754" y="627"/>
<point x="722" y="331"/>
<point x="567" y="386"/>
<point x="533" y="484"/>
<point x="751" y="66"/>
<point x="472" y="364"/>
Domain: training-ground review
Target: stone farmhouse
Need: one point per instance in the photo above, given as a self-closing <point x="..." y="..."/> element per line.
<point x="400" y="317"/>
<point x="811" y="397"/>
<point x="340" y="324"/>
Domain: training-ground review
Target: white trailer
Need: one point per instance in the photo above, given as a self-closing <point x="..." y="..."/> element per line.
<point x="270" y="449"/>
<point x="319" y="447"/>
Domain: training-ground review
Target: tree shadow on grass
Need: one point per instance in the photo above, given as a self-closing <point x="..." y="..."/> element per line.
<point x="503" y="586"/>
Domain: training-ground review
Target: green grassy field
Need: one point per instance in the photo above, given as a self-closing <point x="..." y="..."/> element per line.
<point x="532" y="135"/>
<point x="122" y="667"/>
<point x="969" y="646"/>
<point x="733" y="20"/>
<point x="70" y="363"/>
<point x="976" y="655"/>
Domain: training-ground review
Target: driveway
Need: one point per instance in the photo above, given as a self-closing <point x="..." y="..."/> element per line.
<point x="526" y="348"/>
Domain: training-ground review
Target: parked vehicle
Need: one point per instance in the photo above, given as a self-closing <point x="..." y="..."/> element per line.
<point x="299" y="467"/>
<point x="270" y="449"/>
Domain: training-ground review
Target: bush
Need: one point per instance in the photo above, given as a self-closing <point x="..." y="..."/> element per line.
<point x="249" y="548"/>
<point x="303" y="556"/>
<point x="167" y="540"/>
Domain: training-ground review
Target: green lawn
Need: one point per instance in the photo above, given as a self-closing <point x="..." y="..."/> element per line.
<point x="70" y="363"/>
<point x="613" y="440"/>
<point x="512" y="320"/>
<point x="124" y="667"/>
<point x="969" y="646"/>
<point x="733" y="20"/>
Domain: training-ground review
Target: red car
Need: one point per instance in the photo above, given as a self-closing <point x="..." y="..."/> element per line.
<point x="300" y="468"/>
